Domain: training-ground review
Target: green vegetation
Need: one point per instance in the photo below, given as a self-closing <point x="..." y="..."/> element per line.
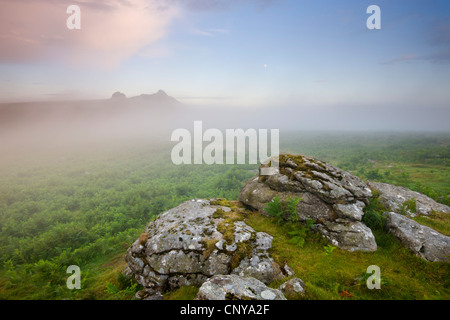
<point x="298" y="236"/>
<point x="418" y="161"/>
<point x="85" y="206"/>
<point x="183" y="293"/>
<point x="373" y="213"/>
<point x="329" y="249"/>
<point x="408" y="207"/>
<point x="342" y="274"/>
<point x="283" y="210"/>
<point x="436" y="220"/>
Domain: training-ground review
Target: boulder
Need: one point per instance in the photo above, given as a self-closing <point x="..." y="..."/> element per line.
<point x="188" y="244"/>
<point x="423" y="241"/>
<point x="348" y="235"/>
<point x="331" y="197"/>
<point x="233" y="287"/>
<point x="393" y="197"/>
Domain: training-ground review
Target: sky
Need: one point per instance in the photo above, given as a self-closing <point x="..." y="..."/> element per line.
<point x="235" y="53"/>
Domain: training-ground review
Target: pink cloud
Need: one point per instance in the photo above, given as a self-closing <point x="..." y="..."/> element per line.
<point x="111" y="30"/>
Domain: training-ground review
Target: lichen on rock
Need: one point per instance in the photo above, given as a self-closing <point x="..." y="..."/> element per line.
<point x="394" y="198"/>
<point x="198" y="239"/>
<point x="233" y="287"/>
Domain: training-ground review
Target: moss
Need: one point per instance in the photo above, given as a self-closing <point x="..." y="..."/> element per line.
<point x="226" y="228"/>
<point x="232" y="215"/>
<point x="301" y="166"/>
<point x="209" y="247"/>
<point x="244" y="249"/>
<point x="220" y="202"/>
<point x="218" y="214"/>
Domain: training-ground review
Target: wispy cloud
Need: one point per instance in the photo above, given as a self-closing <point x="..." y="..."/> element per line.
<point x="217" y="5"/>
<point x="209" y="32"/>
<point x="111" y="30"/>
<point x="440" y="57"/>
<point x="404" y="58"/>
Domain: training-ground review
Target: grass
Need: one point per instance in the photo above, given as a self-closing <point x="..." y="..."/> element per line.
<point x="417" y="177"/>
<point x="183" y="293"/>
<point x="94" y="279"/>
<point x="436" y="220"/>
<point x="79" y="205"/>
<point x="342" y="274"/>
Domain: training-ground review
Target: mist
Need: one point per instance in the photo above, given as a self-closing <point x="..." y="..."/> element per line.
<point x="151" y="118"/>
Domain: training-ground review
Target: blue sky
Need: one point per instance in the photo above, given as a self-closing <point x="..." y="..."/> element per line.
<point x="235" y="53"/>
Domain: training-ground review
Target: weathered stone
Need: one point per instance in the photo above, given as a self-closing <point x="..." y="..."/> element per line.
<point x="349" y="235"/>
<point x="256" y="194"/>
<point x="293" y="287"/>
<point x="231" y="287"/>
<point x="331" y="197"/>
<point x="423" y="241"/>
<point x="288" y="271"/>
<point x="156" y="296"/>
<point x="260" y="265"/>
<point x="352" y="211"/>
<point x="392" y="198"/>
<point x="194" y="241"/>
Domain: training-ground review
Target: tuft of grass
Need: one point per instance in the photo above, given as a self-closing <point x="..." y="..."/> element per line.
<point x="408" y="207"/>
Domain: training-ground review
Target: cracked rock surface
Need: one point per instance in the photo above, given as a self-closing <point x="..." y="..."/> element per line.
<point x="190" y="243"/>
<point x="333" y="198"/>
<point x="423" y="241"/>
